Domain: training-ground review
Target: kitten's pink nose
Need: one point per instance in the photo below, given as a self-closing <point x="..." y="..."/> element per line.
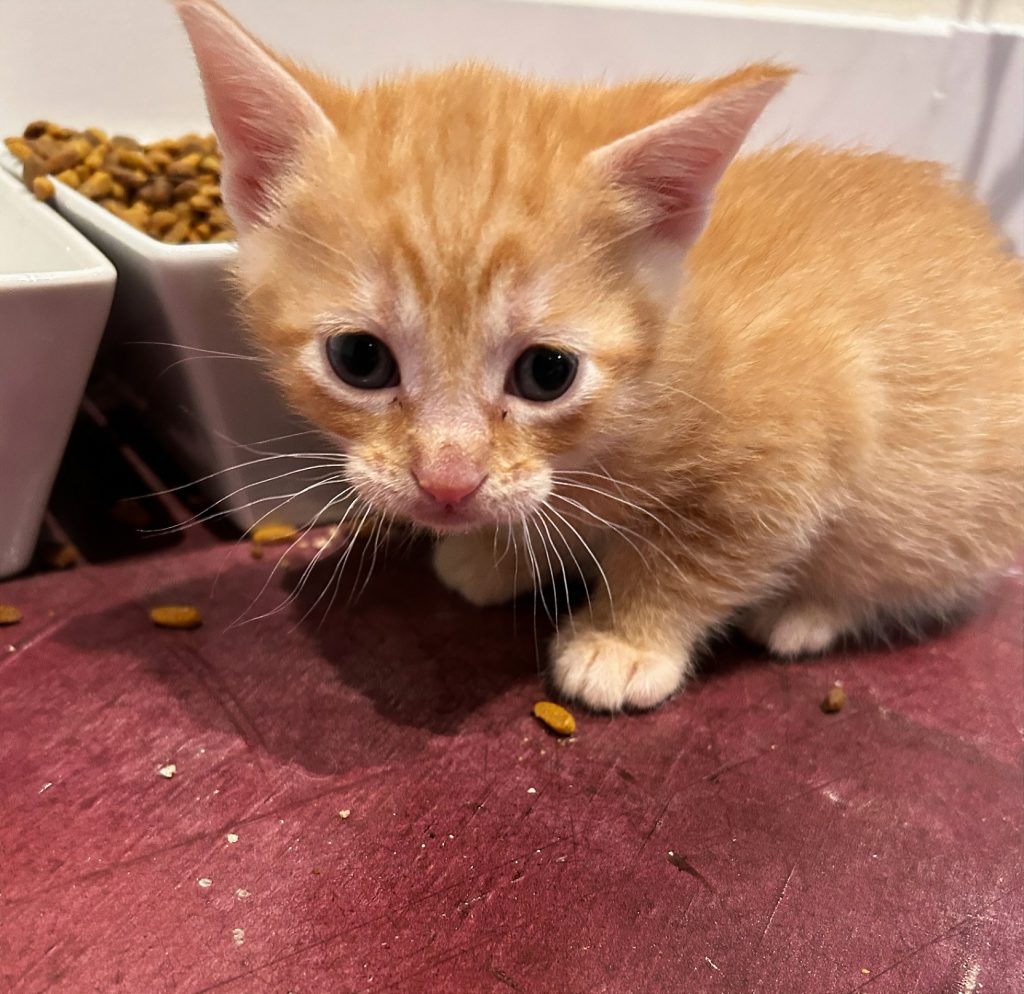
<point x="450" y="485"/>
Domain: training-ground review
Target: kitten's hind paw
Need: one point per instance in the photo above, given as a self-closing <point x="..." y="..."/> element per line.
<point x="467" y="564"/>
<point x="609" y="674"/>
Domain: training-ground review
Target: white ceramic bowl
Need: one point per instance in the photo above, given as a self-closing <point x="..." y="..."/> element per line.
<point x="55" y="294"/>
<point x="171" y="340"/>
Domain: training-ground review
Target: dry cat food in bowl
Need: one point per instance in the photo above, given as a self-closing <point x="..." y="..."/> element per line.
<point x="169" y="189"/>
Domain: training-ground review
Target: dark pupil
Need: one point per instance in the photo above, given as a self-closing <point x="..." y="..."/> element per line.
<point x="362" y="361"/>
<point x="550" y="369"/>
<point x="361" y="355"/>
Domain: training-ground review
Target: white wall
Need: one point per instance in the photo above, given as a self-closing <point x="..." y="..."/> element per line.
<point x="930" y="87"/>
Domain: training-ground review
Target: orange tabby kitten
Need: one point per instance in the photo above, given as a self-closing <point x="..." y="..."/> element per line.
<point x="785" y="390"/>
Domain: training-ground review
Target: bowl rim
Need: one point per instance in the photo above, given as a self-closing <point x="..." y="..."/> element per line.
<point x="89" y="264"/>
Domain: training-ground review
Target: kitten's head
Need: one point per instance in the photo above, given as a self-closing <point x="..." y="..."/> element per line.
<point x="466" y="277"/>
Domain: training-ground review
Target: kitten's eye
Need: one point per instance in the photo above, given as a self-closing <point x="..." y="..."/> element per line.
<point x="362" y="361"/>
<point x="542" y="373"/>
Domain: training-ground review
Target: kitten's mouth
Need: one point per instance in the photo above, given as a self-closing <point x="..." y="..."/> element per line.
<point x="448" y="518"/>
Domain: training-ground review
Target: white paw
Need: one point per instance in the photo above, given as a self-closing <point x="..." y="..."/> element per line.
<point x="796" y="629"/>
<point x="466" y="564"/>
<point x="608" y="674"/>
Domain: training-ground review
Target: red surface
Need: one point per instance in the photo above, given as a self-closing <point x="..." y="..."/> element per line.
<point x="878" y="849"/>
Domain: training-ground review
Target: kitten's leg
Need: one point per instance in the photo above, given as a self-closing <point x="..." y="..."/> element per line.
<point x="474" y="565"/>
<point x="488" y="568"/>
<point x="796" y="626"/>
<point x="636" y="648"/>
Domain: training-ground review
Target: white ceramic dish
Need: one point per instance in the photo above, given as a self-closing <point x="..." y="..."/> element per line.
<point x="55" y="294"/>
<point x="170" y="342"/>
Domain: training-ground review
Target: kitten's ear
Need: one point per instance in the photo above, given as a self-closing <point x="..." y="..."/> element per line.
<point x="260" y="112"/>
<point x="668" y="171"/>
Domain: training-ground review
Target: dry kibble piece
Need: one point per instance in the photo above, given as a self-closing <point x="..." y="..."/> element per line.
<point x="200" y="203"/>
<point x="95" y="159"/>
<point x="97" y="186"/>
<point x="175" y="616"/>
<point x="67" y="158"/>
<point x="58" y="132"/>
<point x="186" y="189"/>
<point x="133" y="158"/>
<point x="834" y="701"/>
<point x="158" y="192"/>
<point x="63" y="556"/>
<point x="32" y="167"/>
<point x="555" y="717"/>
<point x="112" y="205"/>
<point x="132" y="179"/>
<point x="117" y="190"/>
<point x="269" y="534"/>
<point x="35" y="129"/>
<point x="176" y="234"/>
<point x="137" y="216"/>
<point x="210" y="164"/>
<point x="203" y="231"/>
<point x="96" y="136"/>
<point x="69" y="178"/>
<point x="43" y="188"/>
<point x="160" y="221"/>
<point x="123" y="141"/>
<point x="222" y="236"/>
<point x="19" y="149"/>
<point x="9" y="614"/>
<point x="45" y="146"/>
<point x="186" y="167"/>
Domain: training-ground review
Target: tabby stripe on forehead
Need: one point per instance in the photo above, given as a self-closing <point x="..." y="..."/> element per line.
<point x="499" y="177"/>
<point x="507" y="253"/>
<point x="403" y="251"/>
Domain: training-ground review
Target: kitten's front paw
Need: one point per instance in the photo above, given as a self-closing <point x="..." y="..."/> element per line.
<point x="608" y="674"/>
<point x="466" y="564"/>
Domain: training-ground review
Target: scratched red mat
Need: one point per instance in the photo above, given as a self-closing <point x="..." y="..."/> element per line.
<point x="362" y="802"/>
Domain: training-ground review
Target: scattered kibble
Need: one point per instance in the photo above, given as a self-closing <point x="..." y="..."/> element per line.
<point x="63" y="556"/>
<point x="168" y="771"/>
<point x="271" y="534"/>
<point x="175" y="616"/>
<point x="205" y="882"/>
<point x="531" y="790"/>
<point x="241" y="894"/>
<point x="344" y="813"/>
<point x="834" y="701"/>
<point x="9" y="614"/>
<point x="238" y="936"/>
<point x="555" y="717"/>
<point x="231" y="837"/>
<point x="170" y="189"/>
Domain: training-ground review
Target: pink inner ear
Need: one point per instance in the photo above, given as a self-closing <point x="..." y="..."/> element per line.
<point x="260" y="112"/>
<point x="672" y="185"/>
<point x="671" y="167"/>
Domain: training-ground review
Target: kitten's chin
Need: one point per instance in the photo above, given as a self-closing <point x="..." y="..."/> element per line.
<point x="449" y="520"/>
